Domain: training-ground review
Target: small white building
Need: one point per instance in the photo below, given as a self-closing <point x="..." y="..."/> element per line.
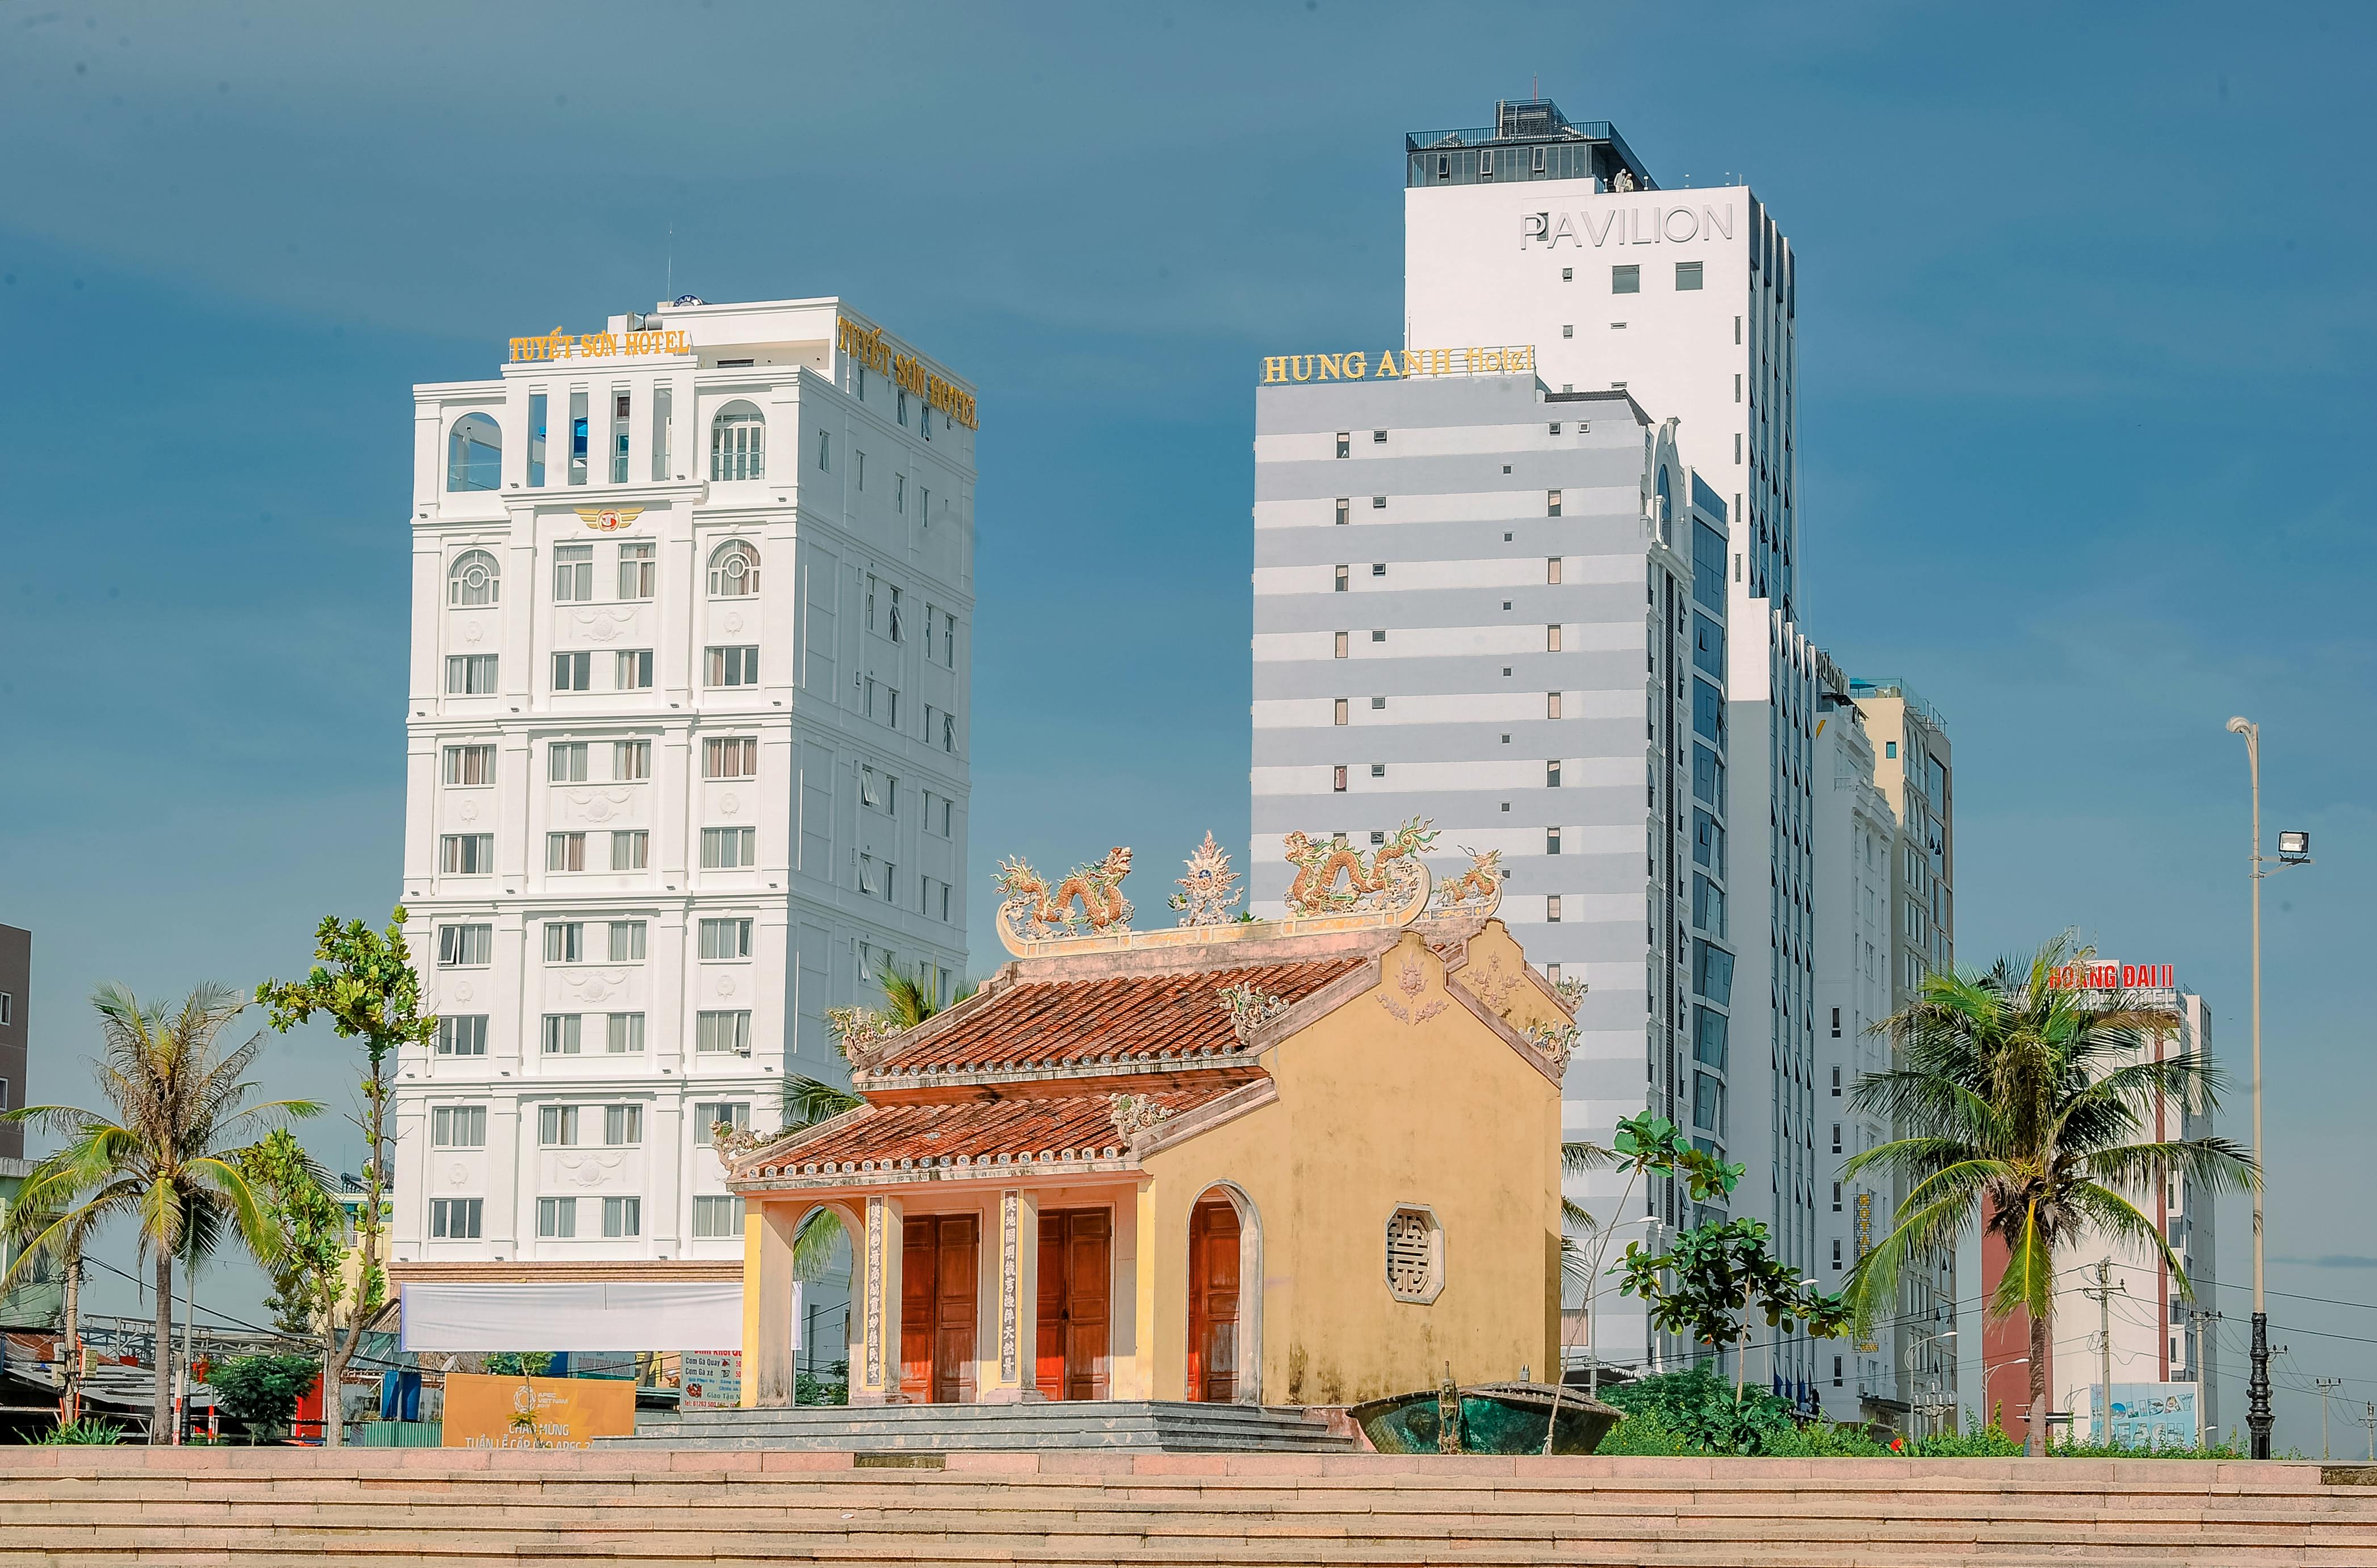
<point x="686" y="730"/>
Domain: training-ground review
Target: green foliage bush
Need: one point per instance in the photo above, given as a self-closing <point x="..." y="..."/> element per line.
<point x="518" y="1363"/>
<point x="833" y="1388"/>
<point x="90" y="1431"/>
<point x="261" y="1392"/>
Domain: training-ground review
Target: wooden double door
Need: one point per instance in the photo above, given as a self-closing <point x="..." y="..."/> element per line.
<point x="1076" y="1321"/>
<point x="1213" y="1297"/>
<point x="940" y="1277"/>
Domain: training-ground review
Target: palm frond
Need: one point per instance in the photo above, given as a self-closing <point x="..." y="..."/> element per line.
<point x="816" y="1242"/>
<point x="807" y="1101"/>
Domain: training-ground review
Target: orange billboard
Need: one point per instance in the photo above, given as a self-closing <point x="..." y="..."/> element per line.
<point x="483" y="1411"/>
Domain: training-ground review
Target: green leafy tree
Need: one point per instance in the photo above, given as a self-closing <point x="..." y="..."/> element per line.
<point x="165" y="1154"/>
<point x="309" y="1275"/>
<point x="364" y="982"/>
<point x="261" y="1392"/>
<point x="2021" y="1106"/>
<point x="1707" y="1286"/>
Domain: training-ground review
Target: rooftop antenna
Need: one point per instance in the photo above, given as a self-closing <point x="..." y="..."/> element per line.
<point x="668" y="277"/>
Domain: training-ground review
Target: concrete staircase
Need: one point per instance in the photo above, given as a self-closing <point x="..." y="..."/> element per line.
<point x="640" y="1508"/>
<point x="1123" y="1426"/>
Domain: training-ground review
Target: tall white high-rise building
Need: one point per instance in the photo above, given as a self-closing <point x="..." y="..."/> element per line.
<point x="1540" y="229"/>
<point x="692" y="604"/>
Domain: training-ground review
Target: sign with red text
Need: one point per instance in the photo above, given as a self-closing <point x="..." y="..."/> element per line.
<point x="2094" y="977"/>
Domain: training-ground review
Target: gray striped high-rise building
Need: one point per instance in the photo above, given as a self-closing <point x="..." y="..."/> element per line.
<point x="1504" y="609"/>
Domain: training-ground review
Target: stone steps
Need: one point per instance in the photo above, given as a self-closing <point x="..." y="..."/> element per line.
<point x="632" y="1505"/>
<point x="1123" y="1426"/>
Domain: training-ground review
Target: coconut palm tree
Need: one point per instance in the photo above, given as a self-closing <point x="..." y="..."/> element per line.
<point x="165" y="1154"/>
<point x="804" y="1102"/>
<point x="2019" y="1106"/>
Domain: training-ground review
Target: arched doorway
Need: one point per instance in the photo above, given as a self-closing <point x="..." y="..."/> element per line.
<point x="1224" y="1297"/>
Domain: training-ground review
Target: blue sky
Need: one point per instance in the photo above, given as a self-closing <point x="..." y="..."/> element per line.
<point x="2085" y="334"/>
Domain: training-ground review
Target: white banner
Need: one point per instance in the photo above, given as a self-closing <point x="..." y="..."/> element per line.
<point x="593" y="1315"/>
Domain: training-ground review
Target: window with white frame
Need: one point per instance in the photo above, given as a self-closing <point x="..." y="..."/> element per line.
<point x="717" y="1218"/>
<point x="630" y="760"/>
<point x="573" y="672"/>
<point x="623" y="1126"/>
<point x="892" y="617"/>
<point x="949" y="732"/>
<point x="723" y="1033"/>
<point x="733" y="666"/>
<point x="738" y="442"/>
<point x="465" y="947"/>
<point x="735" y="570"/>
<point x="630" y="849"/>
<point x="632" y="670"/>
<point x="556" y="1219"/>
<point x="949" y="641"/>
<point x="557" y="1127"/>
<point x="729" y="849"/>
<point x="470" y="675"/>
<point x="640" y="569"/>
<point x="454" y="1219"/>
<point x="730" y="757"/>
<point x="564" y="762"/>
<point x="474" y="582"/>
<point x="474" y="454"/>
<point x="627" y="941"/>
<point x="462" y="1034"/>
<point x="457" y="1127"/>
<point x="573" y="574"/>
<point x="725" y="939"/>
<point x="708" y="1114"/>
<point x="564" y="941"/>
<point x="466" y="855"/>
<point x="867" y="878"/>
<point x="623" y="1216"/>
<point x="467" y="766"/>
<point x="562" y="1034"/>
<point x="623" y="1034"/>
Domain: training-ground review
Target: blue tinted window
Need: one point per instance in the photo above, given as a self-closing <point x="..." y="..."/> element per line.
<point x="1712" y="973"/>
<point x="1708" y="646"/>
<point x="1708" y="566"/>
<point x="1708" y="712"/>
<point x="1708" y="1037"/>
<point x="1708" y="841"/>
<point x="1708" y="1103"/>
<point x="1708" y="905"/>
<point x="1708" y="777"/>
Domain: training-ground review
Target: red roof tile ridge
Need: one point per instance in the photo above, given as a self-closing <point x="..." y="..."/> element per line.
<point x="1264" y="945"/>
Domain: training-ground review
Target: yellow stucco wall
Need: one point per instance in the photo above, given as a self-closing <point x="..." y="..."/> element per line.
<point x="1400" y="1096"/>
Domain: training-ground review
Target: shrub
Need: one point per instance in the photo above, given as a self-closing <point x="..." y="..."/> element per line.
<point x="261" y="1392"/>
<point x="518" y="1363"/>
<point x="91" y="1429"/>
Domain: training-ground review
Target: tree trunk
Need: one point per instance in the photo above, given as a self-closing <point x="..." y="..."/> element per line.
<point x="160" y="1415"/>
<point x="2036" y="1444"/>
<point x="72" y="1405"/>
<point x="1740" y="1360"/>
<point x="333" y="1436"/>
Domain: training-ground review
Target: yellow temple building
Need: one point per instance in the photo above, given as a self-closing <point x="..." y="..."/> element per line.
<point x="1305" y="1162"/>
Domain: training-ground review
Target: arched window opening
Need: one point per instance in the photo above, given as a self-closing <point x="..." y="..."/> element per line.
<point x="735" y="570"/>
<point x="737" y="438"/>
<point x="474" y="454"/>
<point x="472" y="579"/>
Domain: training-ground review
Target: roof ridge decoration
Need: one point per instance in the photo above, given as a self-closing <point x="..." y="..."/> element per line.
<point x="1476" y="892"/>
<point x="1384" y="890"/>
<point x="1250" y="1007"/>
<point x="1134" y="1114"/>
<point x="860" y="1033"/>
<point x="1206" y="895"/>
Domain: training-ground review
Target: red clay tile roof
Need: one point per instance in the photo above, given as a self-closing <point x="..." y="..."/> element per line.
<point x="1120" y="1018"/>
<point x="892" y="1136"/>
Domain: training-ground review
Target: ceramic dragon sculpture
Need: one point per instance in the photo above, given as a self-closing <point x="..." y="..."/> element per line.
<point x="1477" y="890"/>
<point x="1029" y="911"/>
<point x="1374" y="885"/>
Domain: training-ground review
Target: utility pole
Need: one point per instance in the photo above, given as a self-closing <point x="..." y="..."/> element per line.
<point x="2294" y="849"/>
<point x="2327" y="1385"/>
<point x="2369" y="1420"/>
<point x="2103" y="1296"/>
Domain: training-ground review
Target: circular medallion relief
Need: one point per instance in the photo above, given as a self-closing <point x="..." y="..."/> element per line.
<point x="472" y="631"/>
<point x="596" y="990"/>
<point x="469" y="812"/>
<point x="463" y="990"/>
<point x="730" y="803"/>
<point x="734" y="620"/>
<point x="726" y="985"/>
<point x="458" y="1173"/>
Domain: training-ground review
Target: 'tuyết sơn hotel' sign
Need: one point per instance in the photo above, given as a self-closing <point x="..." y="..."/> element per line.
<point x="559" y="344"/>
<point x="868" y="346"/>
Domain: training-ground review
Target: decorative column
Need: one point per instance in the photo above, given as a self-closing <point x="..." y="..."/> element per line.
<point x="1015" y="1316"/>
<point x="768" y="1364"/>
<point x="874" y="1368"/>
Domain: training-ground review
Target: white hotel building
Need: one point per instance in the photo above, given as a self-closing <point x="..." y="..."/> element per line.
<point x="1540" y="229"/>
<point x="686" y="763"/>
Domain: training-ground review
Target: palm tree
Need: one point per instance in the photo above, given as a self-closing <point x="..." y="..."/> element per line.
<point x="908" y="1001"/>
<point x="2019" y="1107"/>
<point x="166" y="1151"/>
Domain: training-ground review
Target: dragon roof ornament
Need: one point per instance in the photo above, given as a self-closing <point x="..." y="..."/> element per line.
<point x="1390" y="886"/>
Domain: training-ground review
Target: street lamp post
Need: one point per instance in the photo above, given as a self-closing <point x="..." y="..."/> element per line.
<point x="2294" y="849"/>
